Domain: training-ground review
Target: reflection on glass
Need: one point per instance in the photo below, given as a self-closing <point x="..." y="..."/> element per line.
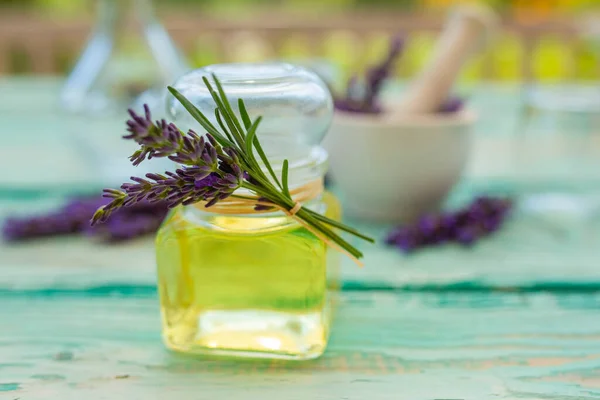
<point x="557" y="156"/>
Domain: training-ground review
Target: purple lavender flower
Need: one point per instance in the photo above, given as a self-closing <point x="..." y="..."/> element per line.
<point x="377" y="75"/>
<point x="74" y="216"/>
<point x="491" y="224"/>
<point x="451" y="105"/>
<point x="467" y="235"/>
<point x="139" y="127"/>
<point x="407" y="240"/>
<point x="428" y="224"/>
<point x="365" y="98"/>
<point x="366" y="101"/>
<point x="66" y="220"/>
<point x="192" y="150"/>
<point x="206" y="182"/>
<point x="484" y="216"/>
<point x="124" y="226"/>
<point x="159" y="139"/>
<point x="16" y="229"/>
<point x="448" y="223"/>
<point x="263" y="204"/>
<point x="209" y="173"/>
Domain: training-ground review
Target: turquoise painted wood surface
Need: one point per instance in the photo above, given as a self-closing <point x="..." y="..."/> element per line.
<point x="105" y="344"/>
<point x="79" y="320"/>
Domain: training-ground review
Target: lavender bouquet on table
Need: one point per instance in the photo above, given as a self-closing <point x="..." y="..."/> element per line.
<point x="142" y="219"/>
<point x="363" y="96"/>
<point x="483" y="217"/>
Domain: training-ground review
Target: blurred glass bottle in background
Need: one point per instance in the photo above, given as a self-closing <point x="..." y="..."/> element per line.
<point x="129" y="60"/>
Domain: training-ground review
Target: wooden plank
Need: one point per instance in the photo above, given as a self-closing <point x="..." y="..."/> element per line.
<point x="384" y="346"/>
<point x="520" y="257"/>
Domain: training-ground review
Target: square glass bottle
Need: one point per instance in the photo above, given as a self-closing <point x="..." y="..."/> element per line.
<point x="253" y="285"/>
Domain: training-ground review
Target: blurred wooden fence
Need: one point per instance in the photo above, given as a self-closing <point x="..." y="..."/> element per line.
<point x="552" y="51"/>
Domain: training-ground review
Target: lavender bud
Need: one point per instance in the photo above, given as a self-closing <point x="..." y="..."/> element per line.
<point x="452" y="105"/>
<point x="466" y="236"/>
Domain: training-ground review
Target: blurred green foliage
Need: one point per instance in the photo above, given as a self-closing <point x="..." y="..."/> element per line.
<point x="552" y="58"/>
<point x="229" y="5"/>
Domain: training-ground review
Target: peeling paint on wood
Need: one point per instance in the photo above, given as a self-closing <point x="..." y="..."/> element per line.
<point x="384" y="345"/>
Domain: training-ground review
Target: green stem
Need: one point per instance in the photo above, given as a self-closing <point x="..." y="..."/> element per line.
<point x="308" y="216"/>
<point x="244" y="141"/>
<point x="329" y="233"/>
<point x="339" y="225"/>
<point x="268" y="193"/>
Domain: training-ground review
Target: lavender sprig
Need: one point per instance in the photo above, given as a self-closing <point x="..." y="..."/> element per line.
<point x="214" y="169"/>
<point x="365" y="99"/>
<point x="74" y="216"/>
<point x="377" y="75"/>
<point x="158" y="139"/>
<point x="209" y="171"/>
<point x="126" y="225"/>
<point x="451" y="105"/>
<point x="484" y="216"/>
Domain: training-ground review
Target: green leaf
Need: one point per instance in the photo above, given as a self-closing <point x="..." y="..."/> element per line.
<point x="339" y="225"/>
<point x="284" y="178"/>
<point x="244" y="114"/>
<point x="247" y="122"/>
<point x="329" y="233"/>
<point x="239" y="139"/>
<point x="233" y="133"/>
<point x="265" y="161"/>
<point x="227" y="105"/>
<point x="250" y="137"/>
<point x="220" y="121"/>
<point x="198" y="116"/>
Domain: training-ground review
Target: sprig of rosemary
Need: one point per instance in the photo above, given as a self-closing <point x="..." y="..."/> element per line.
<point x="212" y="170"/>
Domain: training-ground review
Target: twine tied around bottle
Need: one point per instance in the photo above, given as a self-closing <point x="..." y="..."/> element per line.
<point x="247" y="204"/>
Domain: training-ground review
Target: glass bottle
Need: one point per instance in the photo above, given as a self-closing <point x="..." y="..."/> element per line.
<point x="128" y="54"/>
<point x="253" y="285"/>
<point x="129" y="60"/>
<point x="557" y="158"/>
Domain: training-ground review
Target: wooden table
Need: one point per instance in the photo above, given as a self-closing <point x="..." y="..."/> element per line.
<point x="517" y="317"/>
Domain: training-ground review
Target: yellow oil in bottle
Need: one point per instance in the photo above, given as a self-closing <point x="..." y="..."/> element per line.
<point x="245" y="285"/>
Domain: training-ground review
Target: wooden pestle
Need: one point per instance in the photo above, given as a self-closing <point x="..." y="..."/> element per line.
<point x="467" y="31"/>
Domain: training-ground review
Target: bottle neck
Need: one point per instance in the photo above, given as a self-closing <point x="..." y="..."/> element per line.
<point x="246" y="222"/>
